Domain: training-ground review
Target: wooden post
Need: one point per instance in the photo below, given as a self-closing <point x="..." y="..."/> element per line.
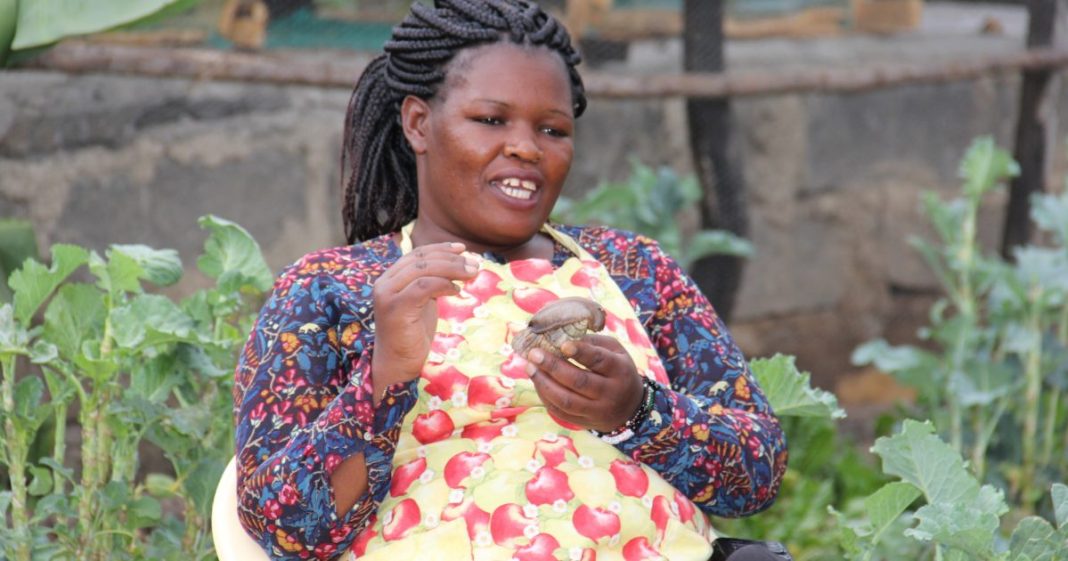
<point x="719" y="173"/>
<point x="1036" y="123"/>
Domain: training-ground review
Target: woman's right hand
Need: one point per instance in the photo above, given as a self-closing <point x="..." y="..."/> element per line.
<point x="405" y="309"/>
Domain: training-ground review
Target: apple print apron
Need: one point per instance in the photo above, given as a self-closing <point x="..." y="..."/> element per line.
<point x="483" y="472"/>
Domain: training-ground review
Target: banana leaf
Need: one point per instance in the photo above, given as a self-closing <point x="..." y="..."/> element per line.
<point x="43" y="22"/>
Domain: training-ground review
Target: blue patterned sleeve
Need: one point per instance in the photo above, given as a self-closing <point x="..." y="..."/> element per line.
<point x="712" y="433"/>
<point x="302" y="406"/>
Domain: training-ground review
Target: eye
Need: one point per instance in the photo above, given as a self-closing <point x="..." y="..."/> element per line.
<point x="488" y="120"/>
<point x="553" y="131"/>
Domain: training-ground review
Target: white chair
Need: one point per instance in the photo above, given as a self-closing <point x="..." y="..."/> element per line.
<point x="232" y="543"/>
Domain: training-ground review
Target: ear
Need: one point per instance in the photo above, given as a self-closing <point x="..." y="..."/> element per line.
<point x="415" y="117"/>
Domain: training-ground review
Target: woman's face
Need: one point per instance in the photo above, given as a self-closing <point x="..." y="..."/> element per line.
<point x="493" y="149"/>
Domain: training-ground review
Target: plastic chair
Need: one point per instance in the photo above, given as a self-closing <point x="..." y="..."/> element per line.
<point x="232" y="543"/>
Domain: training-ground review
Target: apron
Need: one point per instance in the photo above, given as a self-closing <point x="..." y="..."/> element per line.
<point x="483" y="472"/>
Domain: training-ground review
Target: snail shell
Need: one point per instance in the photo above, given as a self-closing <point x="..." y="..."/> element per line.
<point x="559" y="321"/>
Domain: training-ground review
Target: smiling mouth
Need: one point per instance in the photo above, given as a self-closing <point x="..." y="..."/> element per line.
<point x="516" y="188"/>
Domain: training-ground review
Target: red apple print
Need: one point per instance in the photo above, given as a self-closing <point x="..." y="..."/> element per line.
<point x="509" y="413"/>
<point x="631" y="479"/>
<point x="515" y="367"/>
<point x="539" y="549"/>
<point x="405" y="475"/>
<point x="548" y="485"/>
<point x="660" y="514"/>
<point x="359" y="547"/>
<point x="638" y="549"/>
<point x="564" y="423"/>
<point x="485" y="430"/>
<point x="460" y="466"/>
<point x="443" y="343"/>
<point x="484" y="285"/>
<point x="612" y="322"/>
<point x="486" y="390"/>
<point x="531" y="298"/>
<point x="595" y="523"/>
<point x="530" y="270"/>
<point x="585" y="277"/>
<point x="507" y="524"/>
<point x="636" y="333"/>
<point x="443" y="381"/>
<point x="554" y="451"/>
<point x="432" y="426"/>
<point x="457" y="308"/>
<point x="401" y="520"/>
<point x="686" y="507"/>
<point x="477" y="520"/>
<point x="588" y="555"/>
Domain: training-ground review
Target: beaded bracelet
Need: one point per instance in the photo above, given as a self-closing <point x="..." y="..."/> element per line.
<point x="627" y="429"/>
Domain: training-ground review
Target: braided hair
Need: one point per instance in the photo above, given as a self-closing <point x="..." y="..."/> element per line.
<point x="377" y="164"/>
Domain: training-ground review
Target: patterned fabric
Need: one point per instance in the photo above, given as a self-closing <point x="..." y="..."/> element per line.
<point x="481" y="471"/>
<point x="303" y="396"/>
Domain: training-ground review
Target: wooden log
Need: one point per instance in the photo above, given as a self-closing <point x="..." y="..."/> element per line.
<point x="824" y="80"/>
<point x="342" y="71"/>
<point x="1036" y="124"/>
<point x="633" y="24"/>
<point x="204" y="64"/>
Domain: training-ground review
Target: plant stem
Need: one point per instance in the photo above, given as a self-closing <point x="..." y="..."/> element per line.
<point x="966" y="306"/>
<point x="191" y="525"/>
<point x="59" y="448"/>
<point x="983" y="434"/>
<point x="1062" y="326"/>
<point x="86" y="501"/>
<point x="1033" y="375"/>
<point x="17" y="447"/>
<point x="1052" y="404"/>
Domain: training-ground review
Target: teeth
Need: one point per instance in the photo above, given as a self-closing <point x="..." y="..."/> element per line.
<point x="517" y="193"/>
<point x="517" y="183"/>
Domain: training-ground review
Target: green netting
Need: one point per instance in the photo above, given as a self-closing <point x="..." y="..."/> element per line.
<point x="304" y="29"/>
<point x="365" y="24"/>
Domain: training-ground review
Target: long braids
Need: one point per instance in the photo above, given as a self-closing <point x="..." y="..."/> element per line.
<point x="377" y="164"/>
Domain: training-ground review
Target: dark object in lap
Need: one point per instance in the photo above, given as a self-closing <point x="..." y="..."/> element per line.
<point x="734" y="549"/>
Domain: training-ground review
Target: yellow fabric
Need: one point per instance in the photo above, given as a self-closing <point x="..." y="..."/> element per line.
<point x="480" y="454"/>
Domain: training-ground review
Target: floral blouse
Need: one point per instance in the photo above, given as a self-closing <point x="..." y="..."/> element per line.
<point x="302" y="398"/>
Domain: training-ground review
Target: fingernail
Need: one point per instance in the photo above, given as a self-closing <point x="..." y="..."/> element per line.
<point x="531" y="369"/>
<point x="457" y="245"/>
<point x="568" y="348"/>
<point x="470" y="263"/>
<point x="536" y="356"/>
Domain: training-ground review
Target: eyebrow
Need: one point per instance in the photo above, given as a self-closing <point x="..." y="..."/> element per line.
<point x="503" y="104"/>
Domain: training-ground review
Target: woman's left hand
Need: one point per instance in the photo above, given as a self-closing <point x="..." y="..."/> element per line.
<point x="601" y="396"/>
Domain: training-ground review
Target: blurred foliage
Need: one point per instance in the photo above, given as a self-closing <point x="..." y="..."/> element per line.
<point x="994" y="375"/>
<point x="654" y="203"/>
<point x="138" y="368"/>
<point x="28" y="25"/>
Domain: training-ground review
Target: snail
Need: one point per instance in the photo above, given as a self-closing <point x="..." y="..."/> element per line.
<point x="559" y="321"/>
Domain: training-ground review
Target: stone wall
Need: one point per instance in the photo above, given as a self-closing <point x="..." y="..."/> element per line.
<point x="834" y="180"/>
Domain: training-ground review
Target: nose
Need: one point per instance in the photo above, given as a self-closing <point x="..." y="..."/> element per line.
<point x="524" y="149"/>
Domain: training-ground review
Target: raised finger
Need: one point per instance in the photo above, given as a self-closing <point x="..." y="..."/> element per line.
<point x="423" y="289"/>
<point x="601" y="354"/>
<point x="449" y="267"/>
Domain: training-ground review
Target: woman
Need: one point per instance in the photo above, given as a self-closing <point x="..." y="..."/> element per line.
<point x="380" y="406"/>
